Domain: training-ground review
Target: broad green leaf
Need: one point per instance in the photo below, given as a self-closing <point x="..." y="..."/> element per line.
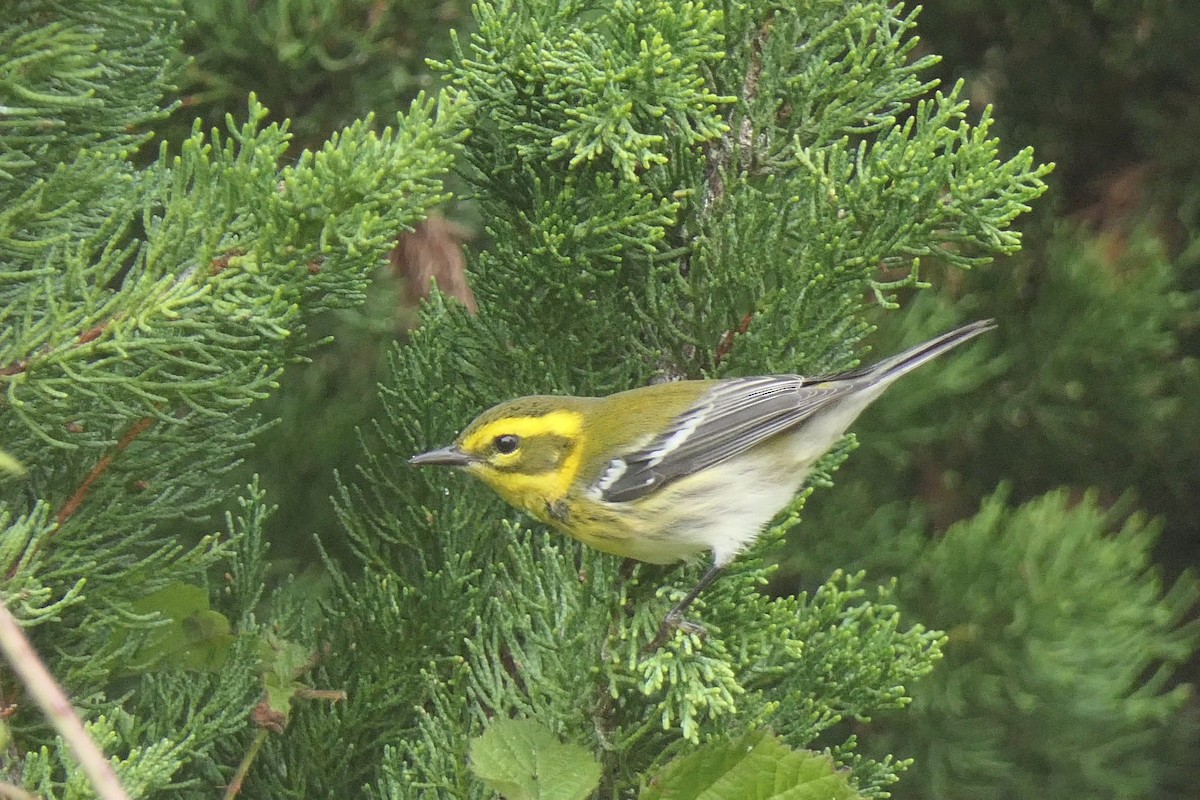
<point x="196" y="637"/>
<point x="756" y="767"/>
<point x="284" y="662"/>
<point x="522" y="760"/>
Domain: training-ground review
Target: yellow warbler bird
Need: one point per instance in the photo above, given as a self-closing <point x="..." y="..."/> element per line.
<point x="665" y="472"/>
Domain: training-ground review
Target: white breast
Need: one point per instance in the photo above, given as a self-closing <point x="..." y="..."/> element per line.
<point x="722" y="509"/>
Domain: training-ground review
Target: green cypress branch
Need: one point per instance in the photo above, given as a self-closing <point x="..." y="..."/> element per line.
<point x="1061" y="638"/>
<point x="143" y="309"/>
<point x="609" y="267"/>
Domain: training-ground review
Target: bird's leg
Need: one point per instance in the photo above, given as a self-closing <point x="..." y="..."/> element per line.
<point x="674" y="619"/>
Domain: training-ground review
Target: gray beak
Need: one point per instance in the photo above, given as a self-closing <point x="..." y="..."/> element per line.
<point x="443" y="457"/>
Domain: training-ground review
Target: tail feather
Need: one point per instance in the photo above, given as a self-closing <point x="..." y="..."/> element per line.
<point x="902" y="363"/>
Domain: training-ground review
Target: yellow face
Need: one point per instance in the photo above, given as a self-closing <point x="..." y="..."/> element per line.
<point x="529" y="460"/>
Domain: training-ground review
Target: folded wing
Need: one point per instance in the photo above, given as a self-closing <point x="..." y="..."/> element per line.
<point x="731" y="418"/>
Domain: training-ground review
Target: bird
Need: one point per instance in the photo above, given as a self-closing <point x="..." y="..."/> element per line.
<point x="665" y="472"/>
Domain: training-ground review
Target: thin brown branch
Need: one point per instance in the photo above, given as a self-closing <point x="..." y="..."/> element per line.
<point x="90" y="335"/>
<point x="268" y="721"/>
<point x="239" y="777"/>
<point x="333" y="695"/>
<point x="76" y="500"/>
<point x="720" y="152"/>
<point x="81" y="492"/>
<point x="726" y="343"/>
<point x="53" y="702"/>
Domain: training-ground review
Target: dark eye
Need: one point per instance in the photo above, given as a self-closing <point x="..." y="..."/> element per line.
<point x="507" y="444"/>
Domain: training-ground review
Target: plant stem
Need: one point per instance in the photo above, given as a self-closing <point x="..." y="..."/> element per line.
<point x="239" y="777"/>
<point x="49" y="696"/>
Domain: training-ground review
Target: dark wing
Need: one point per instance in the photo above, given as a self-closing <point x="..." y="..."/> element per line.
<point x="729" y="419"/>
<point x="736" y="415"/>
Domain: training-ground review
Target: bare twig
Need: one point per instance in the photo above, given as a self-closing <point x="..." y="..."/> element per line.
<point x="49" y="696"/>
<point x="10" y="792"/>
<point x="720" y="152"/>
<point x="239" y="777"/>
<point x="15" y="368"/>
<point x="270" y="720"/>
<point x="72" y="505"/>
<point x="726" y="343"/>
<point x="81" y="492"/>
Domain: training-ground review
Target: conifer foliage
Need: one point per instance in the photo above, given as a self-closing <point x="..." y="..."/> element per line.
<point x="142" y="311"/>
<point x="717" y="199"/>
<point x="669" y="190"/>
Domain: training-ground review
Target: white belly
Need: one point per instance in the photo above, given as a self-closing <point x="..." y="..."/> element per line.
<point x="722" y="509"/>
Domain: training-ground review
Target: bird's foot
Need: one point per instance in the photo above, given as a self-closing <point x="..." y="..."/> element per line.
<point x="672" y="622"/>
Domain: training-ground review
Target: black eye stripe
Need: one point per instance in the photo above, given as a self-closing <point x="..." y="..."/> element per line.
<point x="506" y="443"/>
<point x="536" y="454"/>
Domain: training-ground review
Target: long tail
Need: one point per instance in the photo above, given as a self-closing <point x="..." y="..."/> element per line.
<point x="902" y="363"/>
